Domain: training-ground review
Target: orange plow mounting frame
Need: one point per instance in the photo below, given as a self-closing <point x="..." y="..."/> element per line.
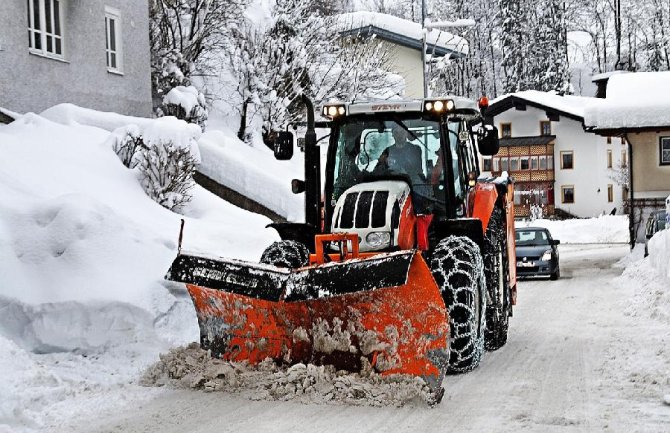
<point x="386" y="309"/>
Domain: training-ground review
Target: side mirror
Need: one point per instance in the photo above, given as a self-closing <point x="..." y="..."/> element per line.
<point x="488" y="141"/>
<point x="297" y="186"/>
<point x="556" y="242"/>
<point x="283" y="146"/>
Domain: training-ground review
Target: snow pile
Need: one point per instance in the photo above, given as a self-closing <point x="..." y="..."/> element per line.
<point x="83" y="251"/>
<point x="192" y="367"/>
<point x="606" y="229"/>
<point x="659" y="252"/>
<point x="253" y="172"/>
<point x="440" y="38"/>
<point x="634" y="100"/>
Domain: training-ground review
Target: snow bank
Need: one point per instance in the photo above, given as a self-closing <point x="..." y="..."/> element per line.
<point x="83" y="251"/>
<point x="253" y="171"/>
<point x="634" y="100"/>
<point x="603" y="229"/>
<point x="659" y="252"/>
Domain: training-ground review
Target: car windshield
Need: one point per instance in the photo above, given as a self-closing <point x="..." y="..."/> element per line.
<point x="531" y="237"/>
<point x="371" y="149"/>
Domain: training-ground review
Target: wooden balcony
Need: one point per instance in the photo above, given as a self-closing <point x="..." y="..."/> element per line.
<point x="530" y="175"/>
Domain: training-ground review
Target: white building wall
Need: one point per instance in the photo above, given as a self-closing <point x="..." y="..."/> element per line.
<point x="590" y="175"/>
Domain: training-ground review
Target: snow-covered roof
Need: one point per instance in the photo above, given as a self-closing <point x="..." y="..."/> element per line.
<point x="634" y="101"/>
<point x="571" y="106"/>
<point x="401" y="31"/>
<point x="606" y="75"/>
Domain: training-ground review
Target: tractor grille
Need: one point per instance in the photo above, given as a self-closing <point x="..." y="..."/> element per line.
<point x="363" y="210"/>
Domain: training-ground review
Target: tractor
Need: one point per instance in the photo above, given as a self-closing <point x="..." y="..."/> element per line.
<point x="405" y="261"/>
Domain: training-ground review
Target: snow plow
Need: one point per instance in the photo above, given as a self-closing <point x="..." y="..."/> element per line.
<point x="405" y="263"/>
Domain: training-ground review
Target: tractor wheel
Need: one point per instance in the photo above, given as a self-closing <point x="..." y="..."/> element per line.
<point x="457" y="267"/>
<point x="496" y="268"/>
<point x="286" y="254"/>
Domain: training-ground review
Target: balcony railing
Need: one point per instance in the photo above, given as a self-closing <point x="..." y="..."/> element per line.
<point x="530" y="175"/>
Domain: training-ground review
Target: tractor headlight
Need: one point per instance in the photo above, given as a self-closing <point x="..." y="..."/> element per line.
<point x="333" y="111"/>
<point x="439" y="106"/>
<point x="546" y="256"/>
<point x="378" y="239"/>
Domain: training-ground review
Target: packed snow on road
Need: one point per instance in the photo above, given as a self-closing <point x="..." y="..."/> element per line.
<point x="89" y="326"/>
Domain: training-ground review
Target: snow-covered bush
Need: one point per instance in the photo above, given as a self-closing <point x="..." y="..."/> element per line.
<point x="167" y="174"/>
<point x="185" y="103"/>
<point x="128" y="145"/>
<point x="164" y="154"/>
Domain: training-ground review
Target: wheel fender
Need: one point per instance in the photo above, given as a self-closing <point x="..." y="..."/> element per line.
<point x="485" y="196"/>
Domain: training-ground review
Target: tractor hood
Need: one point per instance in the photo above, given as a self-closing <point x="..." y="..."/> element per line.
<point x="372" y="211"/>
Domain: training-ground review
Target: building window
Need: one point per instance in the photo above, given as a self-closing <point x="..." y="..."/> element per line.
<point x="113" y="39"/>
<point x="609" y="140"/>
<point x="550" y="162"/>
<point x="568" y="194"/>
<point x="496" y="164"/>
<point x="609" y="159"/>
<point x="525" y="163"/>
<point x="533" y="163"/>
<point x="567" y="162"/>
<point x="624" y="158"/>
<point x="610" y="193"/>
<point x="543" y="163"/>
<point x="506" y="130"/>
<point x="487" y="164"/>
<point x="545" y="127"/>
<point x="623" y="140"/>
<point x="514" y="164"/>
<point x="45" y="27"/>
<point x="504" y="164"/>
<point x="665" y="150"/>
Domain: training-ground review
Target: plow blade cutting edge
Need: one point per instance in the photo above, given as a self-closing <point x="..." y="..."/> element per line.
<point x="386" y="309"/>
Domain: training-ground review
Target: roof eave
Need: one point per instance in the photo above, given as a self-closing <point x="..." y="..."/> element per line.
<point x="402" y="40"/>
<point x="512" y="101"/>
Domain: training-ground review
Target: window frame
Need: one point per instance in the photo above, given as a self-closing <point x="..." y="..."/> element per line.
<point x="563" y="188"/>
<point x="502" y="129"/>
<point x="610" y="193"/>
<point x="57" y="22"/>
<point x="487" y="164"/>
<point x="660" y="150"/>
<point x="115" y="15"/>
<point x="542" y="123"/>
<point x="624" y="158"/>
<point x="609" y="158"/>
<point x="572" y="154"/>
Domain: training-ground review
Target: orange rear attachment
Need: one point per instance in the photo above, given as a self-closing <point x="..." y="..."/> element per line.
<point x="386" y="310"/>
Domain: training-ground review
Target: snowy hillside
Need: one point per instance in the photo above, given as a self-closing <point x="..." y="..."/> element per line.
<point x="83" y="251"/>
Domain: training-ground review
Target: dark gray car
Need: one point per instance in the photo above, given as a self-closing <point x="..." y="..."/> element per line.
<point x="655" y="223"/>
<point x="536" y="253"/>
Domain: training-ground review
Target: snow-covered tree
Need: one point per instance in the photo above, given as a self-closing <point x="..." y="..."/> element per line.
<point x="184" y="35"/>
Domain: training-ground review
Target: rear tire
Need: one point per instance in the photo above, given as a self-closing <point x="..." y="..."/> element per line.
<point x="286" y="254"/>
<point x="496" y="268"/>
<point x="458" y="270"/>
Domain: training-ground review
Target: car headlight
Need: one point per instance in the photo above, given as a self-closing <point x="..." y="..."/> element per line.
<point x="546" y="256"/>
<point x="378" y="239"/>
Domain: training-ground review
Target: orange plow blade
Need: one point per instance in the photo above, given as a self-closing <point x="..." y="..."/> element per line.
<point x="386" y="309"/>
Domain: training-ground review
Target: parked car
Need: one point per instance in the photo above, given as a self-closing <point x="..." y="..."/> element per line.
<point x="655" y="223"/>
<point x="536" y="253"/>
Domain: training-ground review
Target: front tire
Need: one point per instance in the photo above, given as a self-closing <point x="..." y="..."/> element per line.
<point x="458" y="270"/>
<point x="286" y="254"/>
<point x="496" y="268"/>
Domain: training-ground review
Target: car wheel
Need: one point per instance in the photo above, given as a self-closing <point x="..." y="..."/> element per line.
<point x="556" y="274"/>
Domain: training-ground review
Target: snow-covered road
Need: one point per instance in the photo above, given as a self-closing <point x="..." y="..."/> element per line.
<point x="574" y="362"/>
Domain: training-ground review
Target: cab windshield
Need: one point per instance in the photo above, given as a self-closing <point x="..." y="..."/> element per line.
<point x="371" y="149"/>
